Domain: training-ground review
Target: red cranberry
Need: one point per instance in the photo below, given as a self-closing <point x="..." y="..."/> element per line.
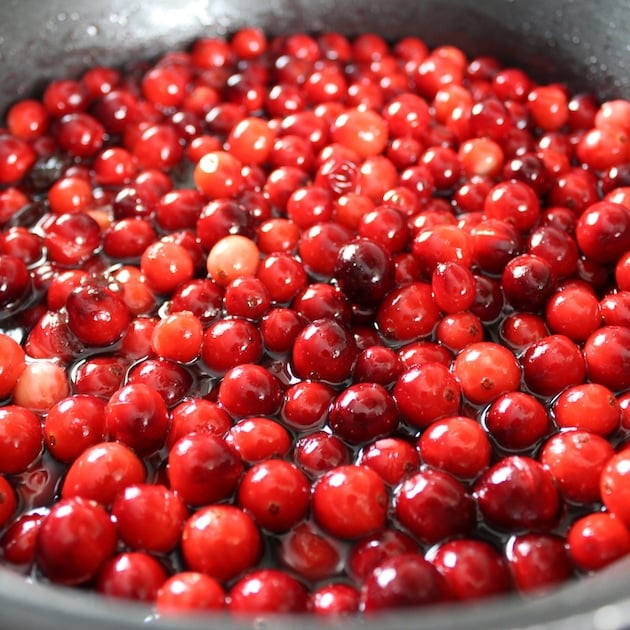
<point x="276" y="493"/>
<point x="538" y="562"/>
<point x="607" y="357"/>
<point x="596" y="540"/>
<point x="552" y="364"/>
<point x="403" y="581"/>
<point x="75" y="539"/>
<point x="189" y="592"/>
<point x="96" y="315"/>
<point x="472" y="569"/>
<point x="136" y="415"/>
<point x="131" y="575"/>
<point x="221" y="541"/>
<point x="518" y="493"/>
<point x="335" y="506"/>
<point x="434" y="506"/>
<point x="268" y="591"/>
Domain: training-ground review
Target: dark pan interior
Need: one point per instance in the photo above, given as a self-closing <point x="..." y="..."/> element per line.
<point x="584" y="43"/>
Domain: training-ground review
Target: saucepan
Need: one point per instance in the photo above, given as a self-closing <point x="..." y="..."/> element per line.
<point x="581" y="42"/>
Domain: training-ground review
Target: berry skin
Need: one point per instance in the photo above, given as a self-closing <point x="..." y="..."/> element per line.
<point x="102" y="471"/>
<point x="486" y="370"/>
<point x="189" y="593"/>
<point x="576" y="460"/>
<point x="427" y="392"/>
<point x="21" y="439"/>
<point x="538" y="562"/>
<point x="407" y="580"/>
<point x="75" y="539"/>
<point x="350" y="501"/>
<point x="133" y="575"/>
<point x="203" y="468"/>
<point x="221" y="541"/>
<point x="268" y="591"/>
<point x="596" y="540"/>
<point x="276" y="493"/>
<point x="614" y="486"/>
<point x="434" y="506"/>
<point x="149" y="517"/>
<point x="518" y="493"/>
<point x="472" y="569"/>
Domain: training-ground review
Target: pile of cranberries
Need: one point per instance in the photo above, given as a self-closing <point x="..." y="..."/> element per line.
<point x="312" y="323"/>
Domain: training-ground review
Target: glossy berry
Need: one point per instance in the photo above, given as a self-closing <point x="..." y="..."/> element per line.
<point x="334" y="502"/>
<point x="614" y="481"/>
<point x="100" y="472"/>
<point x="268" y="591"/>
<point x="276" y="493"/>
<point x="407" y="580"/>
<point x="203" y="468"/>
<point x="149" y="517"/>
<point x="517" y="493"/>
<point x="596" y="540"/>
<point x="472" y="569"/>
<point x="433" y="505"/>
<point x="189" y="592"/>
<point x="221" y="541"/>
<point x="538" y="562"/>
<point x="75" y="539"/>
<point x="133" y="575"/>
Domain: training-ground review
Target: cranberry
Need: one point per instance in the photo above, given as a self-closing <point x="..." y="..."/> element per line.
<point x="276" y="493"/>
<point x="486" y="370"/>
<point x="434" y="506"/>
<point x="73" y="425"/>
<point x="408" y="312"/>
<point x="472" y="569"/>
<point x="457" y="445"/>
<point x="203" y="468"/>
<point x="607" y="357"/>
<point x="324" y="350"/>
<point x="309" y="553"/>
<point x="40" y="385"/>
<point x="228" y="343"/>
<point x="574" y="311"/>
<point x="18" y="541"/>
<point x="596" y="540"/>
<point x="12" y="364"/>
<point x="576" y="460"/>
<point x="131" y="575"/>
<point x="74" y="540"/>
<point x="268" y="591"/>
<point x="189" y="592"/>
<point x="518" y="493"/>
<point x="149" y="517"/>
<point x="249" y="390"/>
<point x="528" y="281"/>
<point x="335" y="599"/>
<point x="101" y="471"/>
<point x="335" y="506"/>
<point x="392" y="458"/>
<point x="256" y="439"/>
<point x="363" y="412"/>
<point x="403" y="581"/>
<point x="614" y="482"/>
<point x="517" y="421"/>
<point x="552" y="364"/>
<point x="221" y="541"/>
<point x="538" y="562"/>
<point x="96" y="315"/>
<point x="319" y="452"/>
<point x="426" y="392"/>
<point x="9" y="501"/>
